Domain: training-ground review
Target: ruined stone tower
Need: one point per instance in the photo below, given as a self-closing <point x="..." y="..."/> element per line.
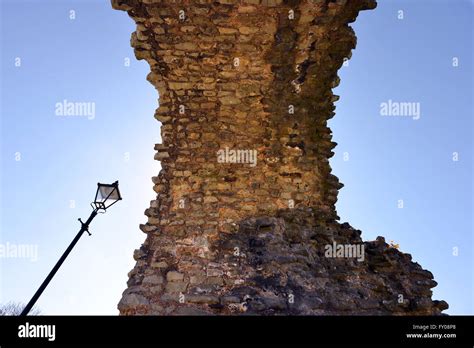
<point x="245" y="207"/>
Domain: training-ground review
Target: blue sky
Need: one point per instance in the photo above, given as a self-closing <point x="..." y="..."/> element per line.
<point x="50" y="164"/>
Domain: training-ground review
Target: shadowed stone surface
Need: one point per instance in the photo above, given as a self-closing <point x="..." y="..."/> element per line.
<point x="245" y="207"/>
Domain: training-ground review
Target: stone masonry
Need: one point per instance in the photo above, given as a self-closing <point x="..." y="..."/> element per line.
<point x="245" y="208"/>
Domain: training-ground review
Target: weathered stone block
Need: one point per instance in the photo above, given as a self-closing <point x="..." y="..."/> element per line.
<point x="176" y="287"/>
<point x="174" y="276"/>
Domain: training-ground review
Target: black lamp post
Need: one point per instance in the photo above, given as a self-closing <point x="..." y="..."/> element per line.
<point x="105" y="196"/>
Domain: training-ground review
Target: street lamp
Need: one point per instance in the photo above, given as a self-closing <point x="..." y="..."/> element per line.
<point x="105" y="196"/>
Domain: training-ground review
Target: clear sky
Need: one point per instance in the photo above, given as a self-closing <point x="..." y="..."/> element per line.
<point x="50" y="164"/>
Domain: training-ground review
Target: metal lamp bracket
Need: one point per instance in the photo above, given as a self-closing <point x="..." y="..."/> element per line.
<point x="84" y="227"/>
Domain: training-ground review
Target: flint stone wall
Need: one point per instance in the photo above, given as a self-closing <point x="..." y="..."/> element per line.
<point x="245" y="202"/>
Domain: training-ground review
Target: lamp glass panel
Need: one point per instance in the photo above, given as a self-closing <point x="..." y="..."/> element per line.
<point x="105" y="191"/>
